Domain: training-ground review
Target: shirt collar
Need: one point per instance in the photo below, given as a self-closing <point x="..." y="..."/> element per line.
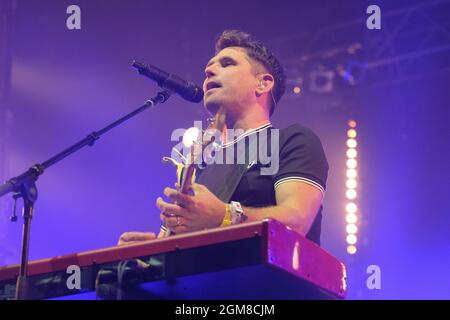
<point x="247" y="133"/>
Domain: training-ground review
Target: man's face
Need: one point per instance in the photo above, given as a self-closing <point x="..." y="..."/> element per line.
<point x="230" y="81"/>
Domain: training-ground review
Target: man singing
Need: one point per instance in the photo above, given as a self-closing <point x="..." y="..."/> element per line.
<point x="244" y="82"/>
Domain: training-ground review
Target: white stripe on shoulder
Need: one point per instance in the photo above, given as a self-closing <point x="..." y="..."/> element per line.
<point x="301" y="179"/>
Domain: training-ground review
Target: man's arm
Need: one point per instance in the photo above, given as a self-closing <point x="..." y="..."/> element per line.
<point x="297" y="206"/>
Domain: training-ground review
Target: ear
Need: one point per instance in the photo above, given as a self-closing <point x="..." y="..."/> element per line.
<point x="265" y="83"/>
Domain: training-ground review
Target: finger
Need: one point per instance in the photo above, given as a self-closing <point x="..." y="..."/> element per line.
<point x="172" y="222"/>
<point x="164" y="216"/>
<point x="180" y="229"/>
<point x="167" y="214"/>
<point x="128" y="237"/>
<point x="169" y="192"/>
<point x="181" y="199"/>
<point x="160" y="203"/>
<point x="138" y="236"/>
<point x="168" y="208"/>
<point x="177" y="197"/>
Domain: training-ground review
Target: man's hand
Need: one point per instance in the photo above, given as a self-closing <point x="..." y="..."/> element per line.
<point x="133" y="237"/>
<point x="199" y="211"/>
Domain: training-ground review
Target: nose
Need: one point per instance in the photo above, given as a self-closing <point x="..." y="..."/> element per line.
<point x="210" y="71"/>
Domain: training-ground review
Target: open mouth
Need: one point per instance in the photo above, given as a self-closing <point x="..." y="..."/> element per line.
<point x="212" y="85"/>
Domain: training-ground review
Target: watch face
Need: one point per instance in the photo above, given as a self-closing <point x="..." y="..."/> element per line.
<point x="237" y="213"/>
<point x="237" y="206"/>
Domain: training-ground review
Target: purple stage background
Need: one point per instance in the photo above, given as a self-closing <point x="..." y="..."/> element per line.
<point x="66" y="83"/>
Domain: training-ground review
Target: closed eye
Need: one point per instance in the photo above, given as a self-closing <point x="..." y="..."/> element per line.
<point x="227" y="62"/>
<point x="224" y="62"/>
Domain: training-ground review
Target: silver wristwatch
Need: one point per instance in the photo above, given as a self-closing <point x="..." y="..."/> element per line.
<point x="237" y="213"/>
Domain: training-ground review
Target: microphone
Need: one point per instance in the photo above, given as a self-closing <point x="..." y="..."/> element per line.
<point x="187" y="90"/>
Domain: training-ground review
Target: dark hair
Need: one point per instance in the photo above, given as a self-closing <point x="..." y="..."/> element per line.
<point x="257" y="51"/>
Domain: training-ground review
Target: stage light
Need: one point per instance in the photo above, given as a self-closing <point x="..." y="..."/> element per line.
<point x="351" y="133"/>
<point x="351" y="184"/>
<point x="351" y="249"/>
<point x="297" y="90"/>
<point x="351" y="173"/>
<point x="351" y="143"/>
<point x="351" y="228"/>
<point x="351" y="218"/>
<point x="352" y="153"/>
<point x="351" y="239"/>
<point x="351" y="194"/>
<point x="352" y="163"/>
<point x="351" y="207"/>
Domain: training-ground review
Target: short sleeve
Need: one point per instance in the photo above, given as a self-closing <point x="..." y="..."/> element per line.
<point x="301" y="158"/>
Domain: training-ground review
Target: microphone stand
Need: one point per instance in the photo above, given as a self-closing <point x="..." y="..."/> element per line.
<point x="23" y="186"/>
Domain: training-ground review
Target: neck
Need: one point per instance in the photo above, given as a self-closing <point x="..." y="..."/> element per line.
<point x="248" y="122"/>
<point x="250" y="119"/>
